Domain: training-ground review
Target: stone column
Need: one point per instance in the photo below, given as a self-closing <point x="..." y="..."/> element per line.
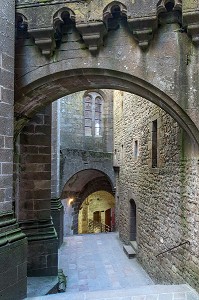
<point x="35" y="195"/>
<point x="13" y="244"/>
<point x="57" y="210"/>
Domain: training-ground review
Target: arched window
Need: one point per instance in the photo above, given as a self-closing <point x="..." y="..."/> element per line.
<point x="98" y="115"/>
<point x="93" y="105"/>
<point x="88" y="115"/>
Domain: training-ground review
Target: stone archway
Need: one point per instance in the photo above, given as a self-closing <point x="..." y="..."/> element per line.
<point x="77" y="189"/>
<point x="41" y="92"/>
<point x="154" y="72"/>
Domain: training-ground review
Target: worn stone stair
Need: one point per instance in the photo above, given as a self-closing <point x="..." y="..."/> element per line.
<point x="150" y="292"/>
<point x="134" y="245"/>
<point x="131" y="249"/>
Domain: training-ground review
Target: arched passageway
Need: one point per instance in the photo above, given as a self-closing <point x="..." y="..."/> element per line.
<point x="77" y="191"/>
<point x="97" y="213"/>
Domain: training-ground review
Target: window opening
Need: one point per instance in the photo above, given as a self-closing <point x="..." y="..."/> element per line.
<point x="133" y="223"/>
<point x="98" y="112"/>
<point x="154" y="144"/>
<point x="93" y="103"/>
<point x="136" y="149"/>
<point x="88" y="115"/>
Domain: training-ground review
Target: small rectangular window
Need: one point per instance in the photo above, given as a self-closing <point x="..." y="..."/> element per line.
<point x="135" y="149"/>
<point x="154" y="144"/>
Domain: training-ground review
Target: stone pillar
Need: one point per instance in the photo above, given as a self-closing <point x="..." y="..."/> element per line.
<point x="35" y="195"/>
<point x="57" y="210"/>
<point x="13" y="243"/>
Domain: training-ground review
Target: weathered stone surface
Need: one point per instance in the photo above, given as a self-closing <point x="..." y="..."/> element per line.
<point x="165" y="197"/>
<point x="13" y="259"/>
<point x="80" y="152"/>
<point x="57" y="213"/>
<point x="154" y="74"/>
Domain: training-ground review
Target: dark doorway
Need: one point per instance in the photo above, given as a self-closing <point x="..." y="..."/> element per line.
<point x="108" y="217"/>
<point x="97" y="216"/>
<point x="132" y="220"/>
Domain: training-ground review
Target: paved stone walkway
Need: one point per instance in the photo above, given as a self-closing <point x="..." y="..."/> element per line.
<point x="97" y="262"/>
<point x="98" y="269"/>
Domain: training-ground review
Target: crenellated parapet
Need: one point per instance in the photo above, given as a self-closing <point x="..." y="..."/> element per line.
<point x="44" y="20"/>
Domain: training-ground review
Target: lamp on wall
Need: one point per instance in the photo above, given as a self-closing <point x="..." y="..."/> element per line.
<point x="70" y="201"/>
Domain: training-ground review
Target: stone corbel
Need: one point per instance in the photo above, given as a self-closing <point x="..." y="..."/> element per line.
<point x="191" y="22"/>
<point x="44" y="39"/>
<point x="92" y="34"/>
<point x="143" y="30"/>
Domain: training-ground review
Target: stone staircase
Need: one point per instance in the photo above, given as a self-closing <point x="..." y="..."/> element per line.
<point x="150" y="292"/>
<point x="131" y="249"/>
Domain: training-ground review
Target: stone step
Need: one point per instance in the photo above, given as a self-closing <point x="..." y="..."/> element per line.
<point x="129" y="251"/>
<point x="134" y="245"/>
<point x="150" y="292"/>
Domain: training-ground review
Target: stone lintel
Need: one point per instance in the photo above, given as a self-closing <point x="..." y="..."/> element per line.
<point x="191" y="22"/>
<point x="44" y="39"/>
<point x="92" y="34"/>
<point x="143" y="29"/>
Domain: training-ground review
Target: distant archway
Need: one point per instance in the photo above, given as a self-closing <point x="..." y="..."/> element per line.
<point x="77" y="189"/>
<point x="97" y="213"/>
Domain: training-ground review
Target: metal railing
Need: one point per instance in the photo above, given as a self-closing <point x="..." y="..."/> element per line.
<point x="170" y="249"/>
<point x="95" y="226"/>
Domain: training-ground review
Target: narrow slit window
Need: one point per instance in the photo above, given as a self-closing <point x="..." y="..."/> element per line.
<point x="88" y="115"/>
<point x="154" y="144"/>
<point x="136" y="149"/>
<point x="98" y="110"/>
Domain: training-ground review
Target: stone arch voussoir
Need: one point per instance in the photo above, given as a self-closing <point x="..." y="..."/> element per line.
<point x="35" y="95"/>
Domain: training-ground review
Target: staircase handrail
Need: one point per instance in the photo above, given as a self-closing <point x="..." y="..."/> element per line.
<point x="179" y="245"/>
<point x="106" y="227"/>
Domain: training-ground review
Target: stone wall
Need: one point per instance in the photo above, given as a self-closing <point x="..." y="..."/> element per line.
<point x="55" y="150"/>
<point x="13" y="244"/>
<point x="6" y="104"/>
<point x="143" y="47"/>
<point x="35" y="195"/>
<point x="165" y="196"/>
<point x="57" y="209"/>
<point x="78" y="151"/>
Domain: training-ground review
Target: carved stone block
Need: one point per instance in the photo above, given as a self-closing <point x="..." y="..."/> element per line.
<point x="191" y="21"/>
<point x="92" y="34"/>
<point x="44" y="39"/>
<point x="143" y="30"/>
